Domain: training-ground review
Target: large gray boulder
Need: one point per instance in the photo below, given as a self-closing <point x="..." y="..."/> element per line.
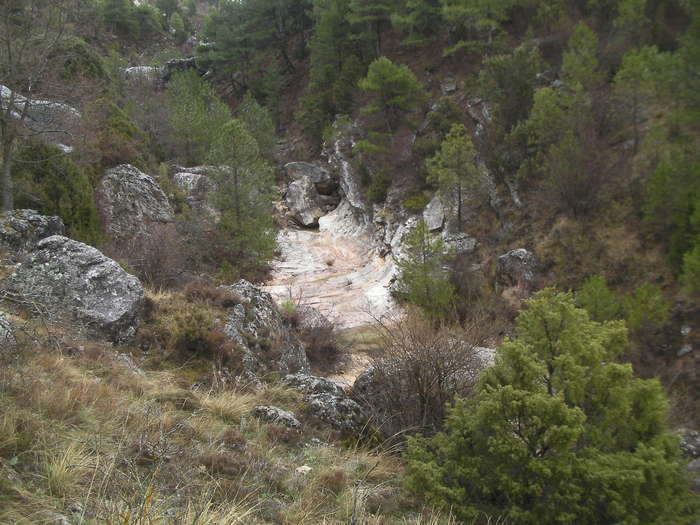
<point x="256" y="326"/>
<point x="340" y="412"/>
<point x="517" y="268"/>
<point x="458" y="243"/>
<point x="130" y="202"/>
<point x="322" y="179"/>
<point x="20" y="230"/>
<point x="51" y="119"/>
<point x="145" y="75"/>
<point x="328" y="402"/>
<point x="304" y="202"/>
<point x="272" y="414"/>
<point x="434" y="214"/>
<point x="7" y="333"/>
<point x="75" y="281"/>
<point x="309" y="384"/>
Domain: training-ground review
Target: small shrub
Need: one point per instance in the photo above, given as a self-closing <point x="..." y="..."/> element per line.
<point x="323" y="349"/>
<point x="290" y="312"/>
<point x="377" y="191"/>
<point x="334" y="480"/>
<point x="646" y="311"/>
<point x="220" y="463"/>
<point x="416" y="202"/>
<point x="598" y="300"/>
<point x="201" y="290"/>
<point x="282" y="434"/>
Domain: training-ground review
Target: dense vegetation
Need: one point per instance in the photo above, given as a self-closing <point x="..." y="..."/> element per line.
<point x="569" y="127"/>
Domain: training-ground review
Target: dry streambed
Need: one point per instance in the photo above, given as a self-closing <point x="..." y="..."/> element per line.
<point x="342" y="277"/>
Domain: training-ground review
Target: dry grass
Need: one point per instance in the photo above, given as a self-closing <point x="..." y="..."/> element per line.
<point x="88" y="436"/>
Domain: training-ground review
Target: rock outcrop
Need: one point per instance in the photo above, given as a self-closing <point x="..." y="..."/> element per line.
<point x="328" y="402"/>
<point x="517" y="268"/>
<point x="20" y="230"/>
<point x="340" y="412"/>
<point x="322" y="179"/>
<point x="304" y="202"/>
<point x="72" y="280"/>
<point x="130" y="202"/>
<point x="54" y="120"/>
<point x="177" y="65"/>
<point x="257" y="327"/>
<point x="7" y="333"/>
<point x="309" y="318"/>
<point x="273" y="414"/>
<point x="149" y="75"/>
<point x="434" y="214"/>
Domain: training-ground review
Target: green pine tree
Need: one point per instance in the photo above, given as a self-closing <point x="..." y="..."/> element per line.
<point x="422" y="279"/>
<point x="394" y="90"/>
<point x="454" y="169"/>
<point x="244" y="181"/>
<point x="558" y="432"/>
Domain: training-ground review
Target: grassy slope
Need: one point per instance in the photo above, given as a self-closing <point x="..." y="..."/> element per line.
<point x="84" y="434"/>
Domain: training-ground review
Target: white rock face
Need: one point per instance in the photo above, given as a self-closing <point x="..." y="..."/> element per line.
<point x="304" y="202"/>
<point x="434" y="214"/>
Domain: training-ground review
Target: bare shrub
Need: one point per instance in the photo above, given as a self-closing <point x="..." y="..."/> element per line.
<point x="203" y="290"/>
<point x="158" y="258"/>
<point x="323" y="347"/>
<point x="420" y="371"/>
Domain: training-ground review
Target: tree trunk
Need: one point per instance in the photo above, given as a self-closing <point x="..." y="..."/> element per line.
<point x="7" y="189"/>
<point x="459" y="207"/>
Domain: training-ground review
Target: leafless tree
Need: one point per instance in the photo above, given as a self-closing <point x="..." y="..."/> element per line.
<point x="419" y="372"/>
<point x="32" y="100"/>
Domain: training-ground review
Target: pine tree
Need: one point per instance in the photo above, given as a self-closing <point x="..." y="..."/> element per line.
<point x="454" y="169"/>
<point x="373" y="17"/>
<point x="419" y="20"/>
<point x="259" y="124"/>
<point x="244" y="181"/>
<point x="558" y="432"/>
<point x="422" y="279"/>
<point x="195" y="116"/>
<point x="394" y="89"/>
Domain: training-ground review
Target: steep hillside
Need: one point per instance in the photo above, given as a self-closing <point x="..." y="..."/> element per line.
<point x="365" y="262"/>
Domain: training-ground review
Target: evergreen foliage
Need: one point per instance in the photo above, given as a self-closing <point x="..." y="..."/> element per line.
<point x="394" y="89"/>
<point x="422" y="279"/>
<point x="259" y="123"/>
<point x="598" y="300"/>
<point x="47" y="180"/>
<point x="195" y="115"/>
<point x="243" y="194"/>
<point x="455" y="170"/>
<point x="112" y="137"/>
<point x="557" y="432"/>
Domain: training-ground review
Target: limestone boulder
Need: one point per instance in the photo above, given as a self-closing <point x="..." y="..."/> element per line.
<point x="434" y="214"/>
<point x="517" y="268"/>
<point x="7" y="333"/>
<point x="340" y="412"/>
<point x="54" y="120"/>
<point x="272" y="414"/>
<point x="304" y="202"/>
<point x="20" y="230"/>
<point x="76" y="282"/>
<point x="309" y="384"/>
<point x="459" y="243"/>
<point x="257" y="327"/>
<point x="322" y="179"/>
<point x="130" y="202"/>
